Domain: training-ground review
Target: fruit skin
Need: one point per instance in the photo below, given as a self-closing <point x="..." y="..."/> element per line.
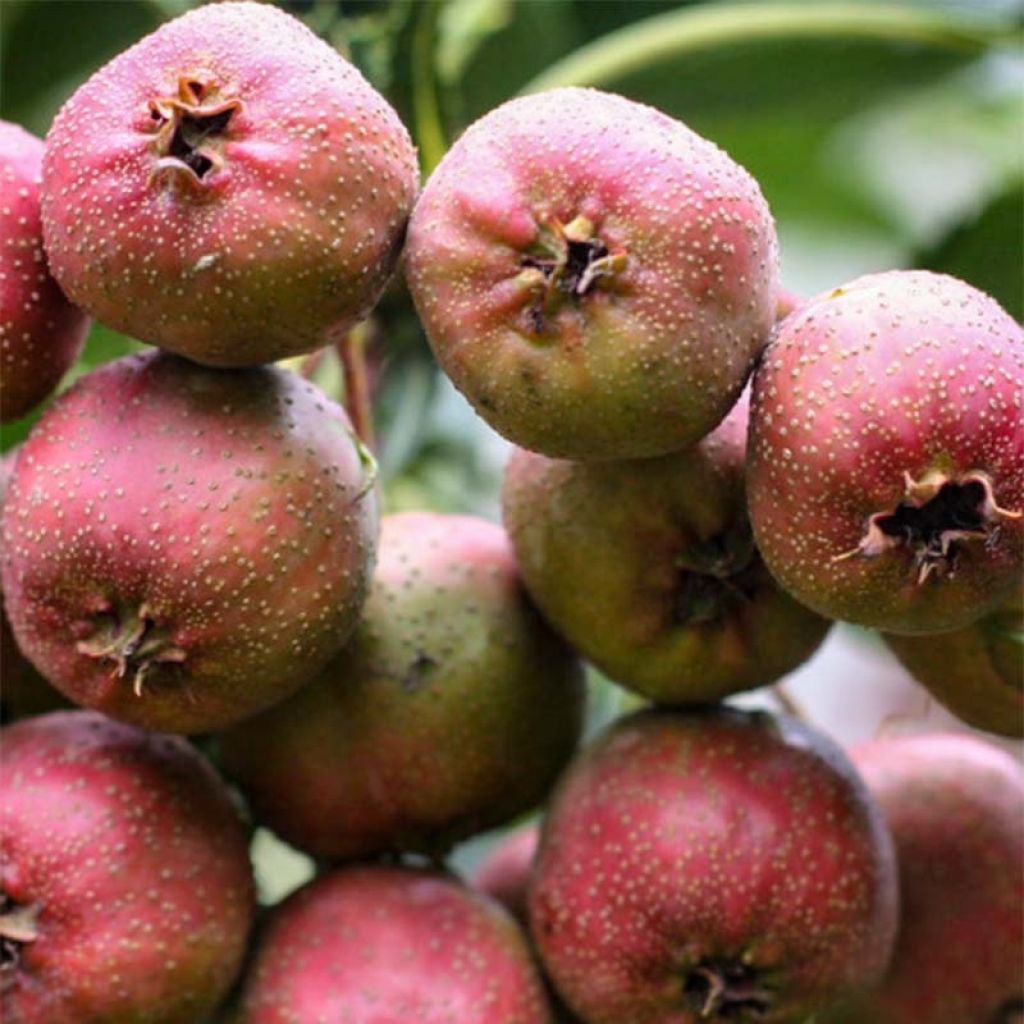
<point x="871" y="397"/>
<point x="23" y="691"/>
<point x="955" y="805"/>
<point x="647" y="567"/>
<point x="288" y="236"/>
<point x="687" y="852"/>
<point x="596" y="278"/>
<point x="503" y="874"/>
<point x="976" y="672"/>
<point x="452" y="709"/>
<point x="185" y="546"/>
<point x="41" y="333"/>
<point x="130" y="850"/>
<point x="392" y="945"/>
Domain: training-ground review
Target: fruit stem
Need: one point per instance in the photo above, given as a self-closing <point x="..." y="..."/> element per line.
<point x="430" y="136"/>
<point x="351" y="348"/>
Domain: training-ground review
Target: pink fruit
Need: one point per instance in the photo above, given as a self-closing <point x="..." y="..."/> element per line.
<point x="886" y="462"/>
<point x="126" y="892"/>
<point x="41" y="333"/>
<point x="956" y="809"/>
<point x="647" y="567"/>
<point x="229" y="188"/>
<point x="976" y="672"/>
<point x="185" y="546"/>
<point x="596" y="278"/>
<point x="452" y="708"/>
<point x="504" y="873"/>
<point x="388" y="945"/>
<point x="714" y="866"/>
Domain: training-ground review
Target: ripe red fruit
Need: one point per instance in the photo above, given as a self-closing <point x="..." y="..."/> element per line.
<point x="452" y="708"/>
<point x="976" y="672"/>
<point x="394" y="946"/>
<point x="648" y="568"/>
<point x="41" y="333"/>
<point x="714" y="866"/>
<point x="955" y="806"/>
<point x="230" y="188"/>
<point x="504" y="873"/>
<point x="185" y="546"/>
<point x="126" y="892"/>
<point x="886" y="460"/>
<point x="596" y="278"/>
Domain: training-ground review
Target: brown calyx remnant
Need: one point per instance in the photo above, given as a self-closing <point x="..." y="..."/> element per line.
<point x="17" y="929"/>
<point x="190" y="131"/>
<point x="132" y="640"/>
<point x="938" y="513"/>
<point x="568" y="262"/>
<point x="726" y="990"/>
<point x="712" y="576"/>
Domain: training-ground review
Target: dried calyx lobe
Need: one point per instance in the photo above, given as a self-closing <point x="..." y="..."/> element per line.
<point x="727" y="991"/>
<point x="189" y="126"/>
<point x="937" y="514"/>
<point x="17" y="928"/>
<point x="567" y="262"/>
<point x="712" y="576"/>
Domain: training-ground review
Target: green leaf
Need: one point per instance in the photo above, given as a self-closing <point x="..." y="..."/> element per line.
<point x="987" y="251"/>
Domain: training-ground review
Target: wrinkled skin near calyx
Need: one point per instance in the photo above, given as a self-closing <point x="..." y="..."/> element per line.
<point x="452" y="708"/>
<point x="185" y="546"/>
<point x="23" y="691"/>
<point x="955" y="805"/>
<point x="41" y="333"/>
<point x="126" y="892"/>
<point x="392" y="945"/>
<point x="976" y="672"/>
<point x="647" y="567"/>
<point x="596" y="278"/>
<point x="711" y="866"/>
<point x="886" y="457"/>
<point x="504" y="873"/>
<point x="230" y="188"/>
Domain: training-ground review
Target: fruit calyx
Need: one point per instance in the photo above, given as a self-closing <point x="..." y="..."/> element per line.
<point x="726" y="990"/>
<point x="567" y="262"/>
<point x="710" y="577"/>
<point x="937" y="513"/>
<point x="131" y="640"/>
<point x="190" y="130"/>
<point x="1011" y="1012"/>
<point x="18" y="927"/>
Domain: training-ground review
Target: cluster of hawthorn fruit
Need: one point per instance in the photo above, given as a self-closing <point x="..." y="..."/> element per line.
<point x="191" y="545"/>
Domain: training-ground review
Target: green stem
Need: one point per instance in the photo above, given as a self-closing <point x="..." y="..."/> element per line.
<point x="672" y="35"/>
<point x="430" y="135"/>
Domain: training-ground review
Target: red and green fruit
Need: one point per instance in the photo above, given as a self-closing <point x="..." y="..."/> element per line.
<point x="452" y="709"/>
<point x="41" y="333"/>
<point x="712" y="866"/>
<point x="396" y="946"/>
<point x="229" y="188"/>
<point x="976" y="672"/>
<point x="886" y="460"/>
<point x="955" y="805"/>
<point x="648" y="568"/>
<point x="126" y="893"/>
<point x="185" y="546"/>
<point x="596" y="278"/>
